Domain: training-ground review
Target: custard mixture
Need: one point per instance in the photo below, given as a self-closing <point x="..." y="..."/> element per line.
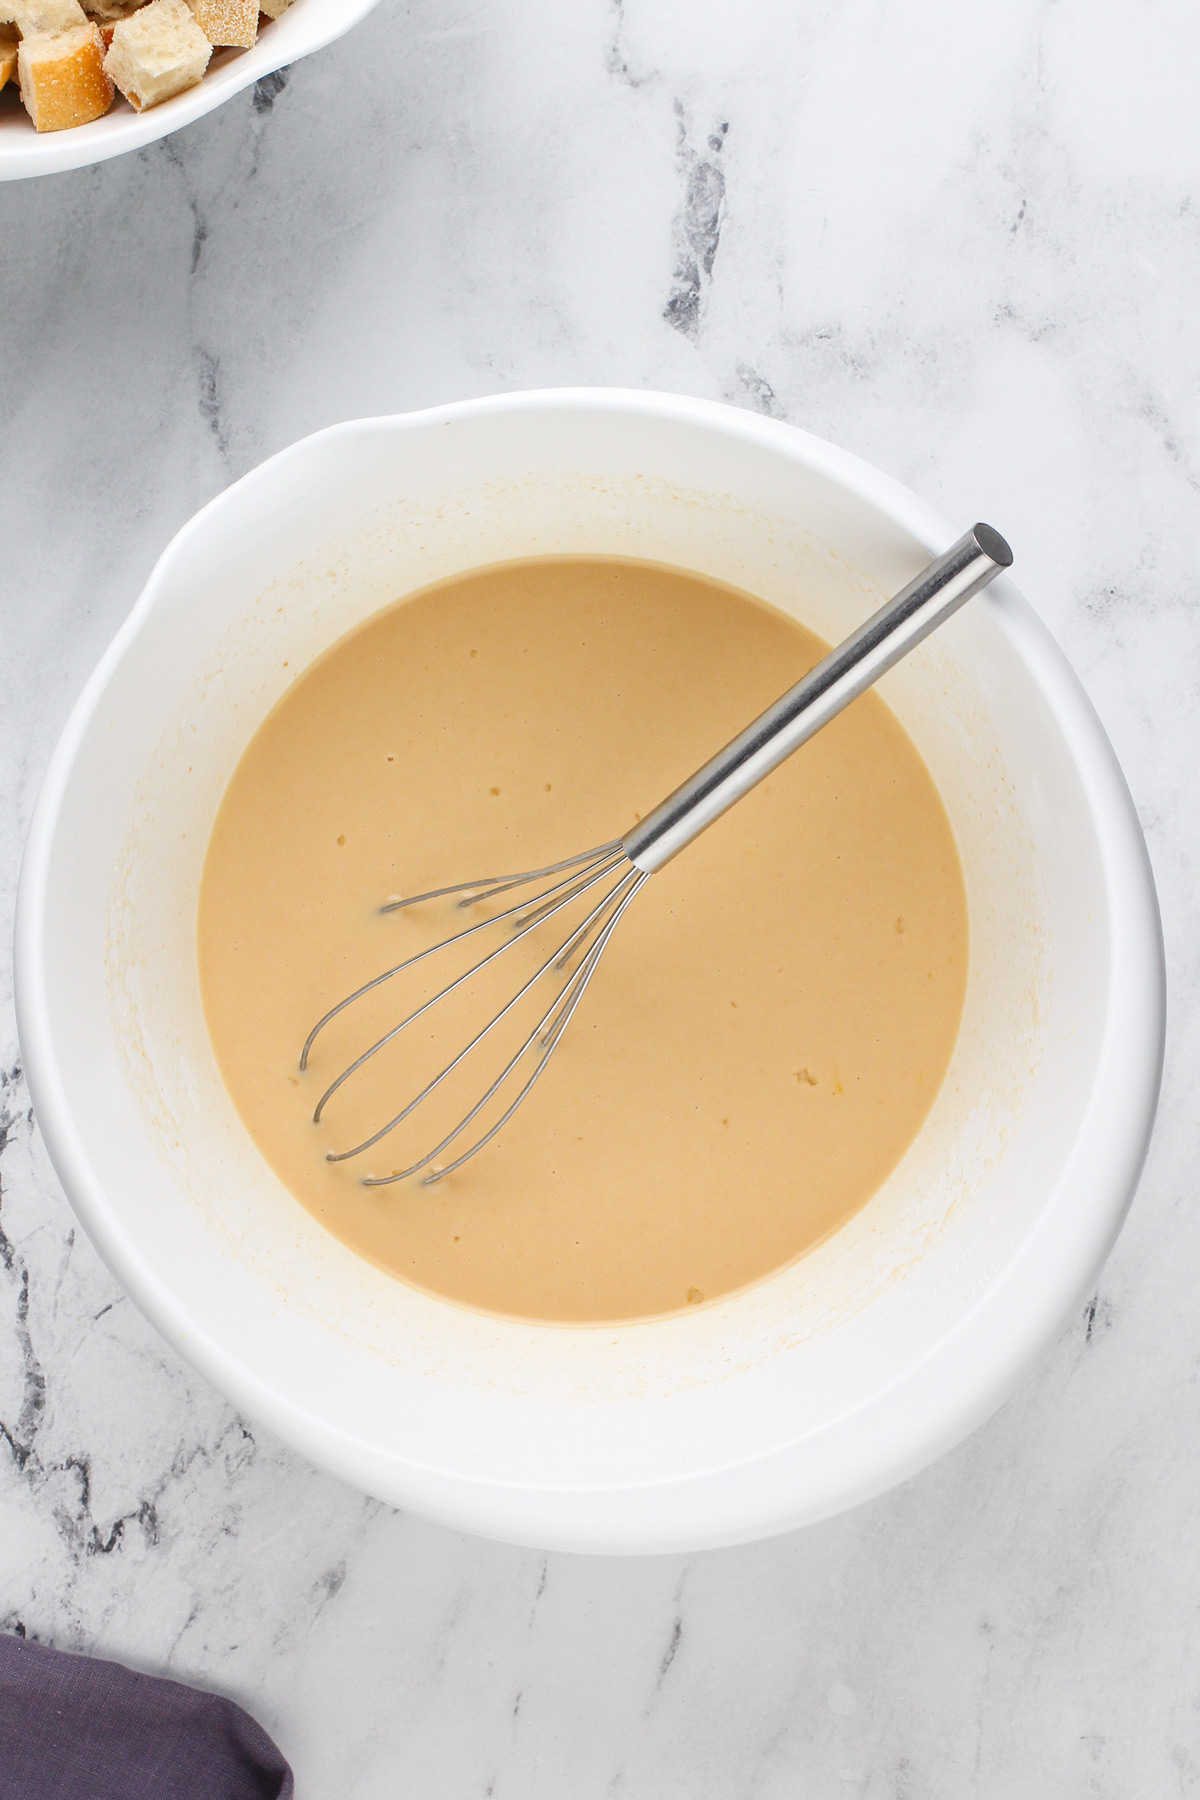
<point x="766" y="1030"/>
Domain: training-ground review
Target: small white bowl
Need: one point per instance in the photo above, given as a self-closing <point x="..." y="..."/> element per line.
<point x="307" y="25"/>
<point x="819" y="1387"/>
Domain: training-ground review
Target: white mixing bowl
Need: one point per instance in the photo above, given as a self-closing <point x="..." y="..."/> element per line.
<point x="823" y="1385"/>
<point x="307" y="25"/>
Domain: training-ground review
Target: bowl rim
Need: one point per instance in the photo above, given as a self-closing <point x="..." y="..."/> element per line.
<point x="25" y="154"/>
<point x="929" y="1406"/>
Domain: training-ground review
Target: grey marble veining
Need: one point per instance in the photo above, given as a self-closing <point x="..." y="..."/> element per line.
<point x="964" y="242"/>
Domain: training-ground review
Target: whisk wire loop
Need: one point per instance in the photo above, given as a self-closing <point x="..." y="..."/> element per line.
<point x="548" y="1030"/>
<point x="491" y="885"/>
<point x="578" y="888"/>
<point x="545" y="968"/>
<point x="606" y="852"/>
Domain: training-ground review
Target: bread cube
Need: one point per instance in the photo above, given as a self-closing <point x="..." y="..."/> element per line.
<point x="157" y="53"/>
<point x="32" y="17"/>
<point x="62" y="77"/>
<point x="9" y="42"/>
<point x="227" y="21"/>
<point x="273" y="8"/>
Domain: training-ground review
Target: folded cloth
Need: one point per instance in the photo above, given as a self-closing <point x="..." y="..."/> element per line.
<point x="72" y="1728"/>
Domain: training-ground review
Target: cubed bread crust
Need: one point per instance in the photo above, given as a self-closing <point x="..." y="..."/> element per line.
<point x="9" y="42"/>
<point x="227" y="22"/>
<point x="157" y="53"/>
<point x="62" y="78"/>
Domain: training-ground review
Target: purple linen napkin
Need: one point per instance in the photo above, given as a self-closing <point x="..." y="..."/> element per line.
<point x="72" y="1728"/>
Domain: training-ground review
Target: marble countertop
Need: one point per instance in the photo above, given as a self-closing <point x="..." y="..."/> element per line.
<point x="962" y="241"/>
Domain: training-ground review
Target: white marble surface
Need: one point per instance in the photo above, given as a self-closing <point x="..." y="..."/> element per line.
<point x="963" y="241"/>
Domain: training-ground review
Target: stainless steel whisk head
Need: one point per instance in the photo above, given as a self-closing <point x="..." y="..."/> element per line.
<point x="607" y="869"/>
<point x="609" y="877"/>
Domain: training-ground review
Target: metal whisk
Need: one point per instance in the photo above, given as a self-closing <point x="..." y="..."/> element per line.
<point x="611" y="875"/>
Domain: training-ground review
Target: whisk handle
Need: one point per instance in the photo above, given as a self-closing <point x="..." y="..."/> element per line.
<point x="887" y="636"/>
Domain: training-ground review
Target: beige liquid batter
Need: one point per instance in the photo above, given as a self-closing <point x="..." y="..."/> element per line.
<point x="769" y="1025"/>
